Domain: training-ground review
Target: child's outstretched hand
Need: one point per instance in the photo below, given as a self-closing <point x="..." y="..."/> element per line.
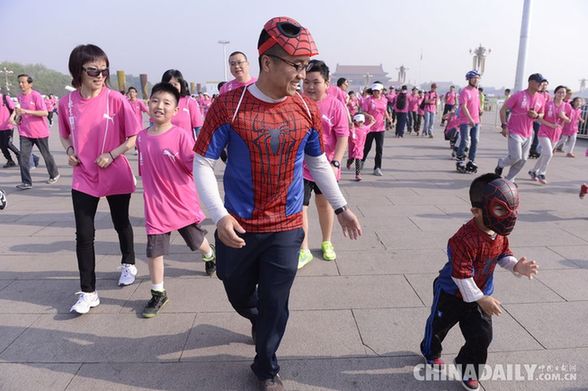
<point x="526" y="267"/>
<point x="490" y="305"/>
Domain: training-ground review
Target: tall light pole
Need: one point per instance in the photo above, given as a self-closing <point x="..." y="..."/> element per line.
<point x="6" y="72"/>
<point x="224" y="43"/>
<point x="520" y="75"/>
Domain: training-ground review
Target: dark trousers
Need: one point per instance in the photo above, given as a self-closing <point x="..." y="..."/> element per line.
<point x="418" y="120"/>
<point x="6" y="144"/>
<point x="26" y="147"/>
<point x="401" y="120"/>
<point x="85" y="206"/>
<point x="475" y="325"/>
<point x="535" y="143"/>
<point x="379" y="138"/>
<point x="446" y="109"/>
<point x="257" y="279"/>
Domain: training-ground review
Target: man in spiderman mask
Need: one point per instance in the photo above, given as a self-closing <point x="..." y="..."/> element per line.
<point x="269" y="130"/>
<point x="463" y="289"/>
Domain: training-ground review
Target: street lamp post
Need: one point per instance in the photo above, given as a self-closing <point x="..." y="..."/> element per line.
<point x="6" y="72"/>
<point x="224" y="43"/>
<point x="520" y="75"/>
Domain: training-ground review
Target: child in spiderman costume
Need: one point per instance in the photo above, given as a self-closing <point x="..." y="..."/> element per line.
<point x="463" y="289"/>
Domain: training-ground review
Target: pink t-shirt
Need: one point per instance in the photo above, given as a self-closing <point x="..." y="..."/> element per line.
<point x="234" y="84"/>
<point x="96" y="126"/>
<point x="189" y="115"/>
<point x="165" y="165"/>
<point x="353" y="105"/>
<point x="377" y="108"/>
<point x="335" y="123"/>
<point x="450" y="97"/>
<point x="50" y="104"/>
<point x="5" y="113"/>
<point x="519" y="104"/>
<point x="138" y="107"/>
<point x="552" y="115"/>
<point x="357" y="138"/>
<point x="431" y="97"/>
<point x="413" y="102"/>
<point x="469" y="97"/>
<point x="337" y="93"/>
<point x="30" y="125"/>
<point x="453" y="122"/>
<point x="571" y="128"/>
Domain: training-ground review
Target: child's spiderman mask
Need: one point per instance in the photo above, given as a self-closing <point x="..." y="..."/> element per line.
<point x="500" y="193"/>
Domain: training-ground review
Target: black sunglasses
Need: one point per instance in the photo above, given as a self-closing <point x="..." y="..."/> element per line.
<point x="298" y="67"/>
<point x="94" y="72"/>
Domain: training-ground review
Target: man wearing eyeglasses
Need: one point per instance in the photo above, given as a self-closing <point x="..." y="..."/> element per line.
<point x="270" y="130"/>
<point x="239" y="65"/>
<point x="33" y="130"/>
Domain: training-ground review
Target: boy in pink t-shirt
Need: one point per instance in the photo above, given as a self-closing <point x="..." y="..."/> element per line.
<point x="171" y="201"/>
<point x="357" y="136"/>
<point x="335" y="132"/>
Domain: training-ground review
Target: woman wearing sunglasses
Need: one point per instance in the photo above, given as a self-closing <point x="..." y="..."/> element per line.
<point x="97" y="126"/>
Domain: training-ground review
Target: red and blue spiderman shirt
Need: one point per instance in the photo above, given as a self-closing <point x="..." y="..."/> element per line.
<point x="472" y="253"/>
<point x="266" y="143"/>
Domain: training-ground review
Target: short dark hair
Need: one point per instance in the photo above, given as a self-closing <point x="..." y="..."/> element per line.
<point x="341" y="81"/>
<point x="559" y="88"/>
<point x="81" y="55"/>
<point x="175" y="74"/>
<point x="275" y="50"/>
<point x="220" y="85"/>
<point x="320" y="67"/>
<point x="238" y="52"/>
<point x="131" y="88"/>
<point x="477" y="186"/>
<point x="29" y="79"/>
<point x="166" y="87"/>
<point x="507" y="91"/>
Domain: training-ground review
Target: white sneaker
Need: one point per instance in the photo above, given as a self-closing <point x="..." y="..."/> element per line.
<point x="127" y="274"/>
<point x="85" y="302"/>
<point x="53" y="180"/>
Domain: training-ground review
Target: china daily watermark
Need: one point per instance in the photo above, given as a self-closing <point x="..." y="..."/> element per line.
<point x="497" y="372"/>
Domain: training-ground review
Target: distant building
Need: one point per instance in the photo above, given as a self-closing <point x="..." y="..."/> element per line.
<point x="360" y="76"/>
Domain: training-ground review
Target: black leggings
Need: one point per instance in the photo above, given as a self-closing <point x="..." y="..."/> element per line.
<point x="85" y="207"/>
<point x="379" y="137"/>
<point x="6" y="144"/>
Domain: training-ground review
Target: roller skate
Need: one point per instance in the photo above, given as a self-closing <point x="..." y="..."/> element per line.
<point x="460" y="165"/>
<point x="471" y="167"/>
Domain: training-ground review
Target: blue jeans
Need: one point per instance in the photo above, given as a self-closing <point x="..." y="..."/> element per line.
<point x="473" y="135"/>
<point x="429" y="118"/>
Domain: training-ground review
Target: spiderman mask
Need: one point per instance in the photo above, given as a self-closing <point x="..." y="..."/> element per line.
<point x="500" y="203"/>
<point x="290" y="36"/>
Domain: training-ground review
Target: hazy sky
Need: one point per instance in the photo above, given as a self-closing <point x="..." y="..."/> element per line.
<point x="150" y="36"/>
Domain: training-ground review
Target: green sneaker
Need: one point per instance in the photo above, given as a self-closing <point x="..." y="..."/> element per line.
<point x="304" y="258"/>
<point x="210" y="262"/>
<point x="328" y="251"/>
<point x="158" y="300"/>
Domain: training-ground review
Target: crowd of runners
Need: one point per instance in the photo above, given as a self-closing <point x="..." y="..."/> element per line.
<point x="282" y="136"/>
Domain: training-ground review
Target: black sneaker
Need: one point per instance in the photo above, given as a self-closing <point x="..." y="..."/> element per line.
<point x="210" y="263"/>
<point x="498" y="170"/>
<point x="158" y="300"/>
<point x="273" y="384"/>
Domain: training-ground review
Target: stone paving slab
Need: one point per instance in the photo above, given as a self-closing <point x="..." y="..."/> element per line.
<point x="389" y="262"/>
<point x="569" y="284"/>
<point x="27" y="377"/>
<point x="101" y="338"/>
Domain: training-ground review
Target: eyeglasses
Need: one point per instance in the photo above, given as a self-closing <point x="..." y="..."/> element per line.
<point x="298" y="67"/>
<point x="237" y="63"/>
<point x="95" y="72"/>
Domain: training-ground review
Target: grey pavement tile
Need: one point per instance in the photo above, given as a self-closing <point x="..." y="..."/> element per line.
<point x="27" y="377"/>
<point x="545" y="256"/>
<point x="186" y="295"/>
<point x="509" y="289"/>
<point x="550" y="237"/>
<point x="173" y="376"/>
<point x="101" y="338"/>
<point x="50" y="296"/>
<point x="406" y="327"/>
<point x="390" y="262"/>
<point x="570" y="284"/>
<point x="376" y="212"/>
<point x="40" y="246"/>
<point x="4" y="283"/>
<point x="424" y="240"/>
<point x="554" y="325"/>
<point x="576" y="254"/>
<point x="32" y="266"/>
<point x="548" y="374"/>
<point x="12" y="326"/>
<point x="345" y="292"/>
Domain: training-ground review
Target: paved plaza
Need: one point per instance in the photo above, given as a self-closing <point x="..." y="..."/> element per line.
<point x="355" y="324"/>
